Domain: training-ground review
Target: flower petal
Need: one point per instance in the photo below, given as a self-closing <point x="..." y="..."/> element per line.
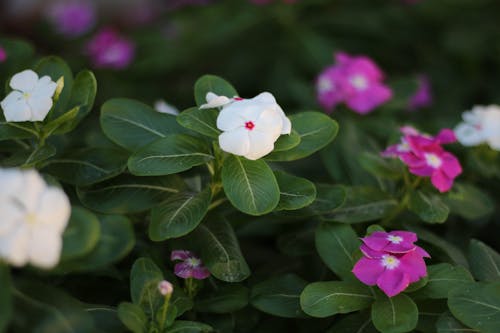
<point x="393" y="281"/>
<point x="45" y="87"/>
<point x="183" y="270"/>
<point x="180" y="255"/>
<point x="15" y="107"/>
<point x="469" y="135"/>
<point x="261" y="144"/>
<point x="441" y="181"/>
<point x="236" y="142"/>
<point x="40" y="107"/>
<point x="54" y="209"/>
<point x="215" y="101"/>
<point x="200" y="273"/>
<point x="14" y="246"/>
<point x="34" y="186"/>
<point x="230" y="119"/>
<point x="24" y="81"/>
<point x="376" y="241"/>
<point x="368" y="270"/>
<point x="44" y="247"/>
<point x="365" y="101"/>
<point x="413" y="264"/>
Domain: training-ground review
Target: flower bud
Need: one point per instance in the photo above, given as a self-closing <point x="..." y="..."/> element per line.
<point x="165" y="288"/>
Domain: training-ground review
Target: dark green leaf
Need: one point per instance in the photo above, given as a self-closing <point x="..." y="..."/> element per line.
<point x="448" y="324"/>
<point x="443" y="278"/>
<point x="379" y="166"/>
<point x="214" y="84"/>
<point x="429" y="207"/>
<point x="201" y="121"/>
<point x="144" y="279"/>
<point x="287" y="142"/>
<point x="132" y="317"/>
<point x="5" y="297"/>
<point x="469" y="202"/>
<point x="360" y="322"/>
<point x="484" y="261"/>
<point x="81" y="234"/>
<point x="295" y="192"/>
<point x="225" y="299"/>
<point x="396" y="314"/>
<point x="182" y="326"/>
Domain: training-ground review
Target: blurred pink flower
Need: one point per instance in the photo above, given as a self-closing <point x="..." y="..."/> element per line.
<point x="392" y="271"/>
<point x="190" y="267"/>
<point x="355" y="80"/>
<point x="423" y="96"/>
<point x="425" y="157"/>
<point x="72" y="18"/>
<point x="108" y="49"/>
<point x="3" y="54"/>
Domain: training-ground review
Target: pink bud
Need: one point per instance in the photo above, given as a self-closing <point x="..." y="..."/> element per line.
<point x="165" y="288"/>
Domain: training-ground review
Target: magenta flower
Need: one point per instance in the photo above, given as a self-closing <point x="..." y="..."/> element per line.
<point x="72" y="18"/>
<point x="3" y="54"/>
<point x="425" y="157"/>
<point x="355" y="80"/>
<point x="108" y="49"/>
<point x="190" y="267"/>
<point x="423" y="96"/>
<point x="391" y="261"/>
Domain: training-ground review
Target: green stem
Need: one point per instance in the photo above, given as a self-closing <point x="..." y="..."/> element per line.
<point x="164" y="311"/>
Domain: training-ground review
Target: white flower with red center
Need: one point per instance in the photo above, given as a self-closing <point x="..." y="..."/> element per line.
<point x="250" y="126"/>
<point x="31" y="99"/>
<point x="34" y="216"/>
<point x="216" y="101"/>
<point x="480" y="125"/>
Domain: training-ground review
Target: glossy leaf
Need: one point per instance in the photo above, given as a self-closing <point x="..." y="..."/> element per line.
<point x="201" y="121"/>
<point x="442" y="278"/>
<point x="81" y="235"/>
<point x="484" y="261"/>
<point x="226" y="299"/>
<point x="144" y="279"/>
<point x="429" y="207"/>
<point x="295" y="192"/>
<point x="214" y="84"/>
<point x="397" y="314"/>
<point x="132" y="317"/>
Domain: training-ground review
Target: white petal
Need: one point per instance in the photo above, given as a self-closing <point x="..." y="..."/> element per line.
<point x="54" y="209"/>
<point x="265" y="97"/>
<point x="15" y="108"/>
<point x="270" y="121"/>
<point x="235" y="142"/>
<point x="468" y="135"/>
<point x="40" y="107"/>
<point x="24" y="81"/>
<point x="287" y="124"/>
<point x="494" y="142"/>
<point x="163" y="107"/>
<point x="12" y="216"/>
<point x="230" y="119"/>
<point x="45" y="247"/>
<point x="14" y="246"/>
<point x="12" y="181"/>
<point x="45" y="87"/>
<point x="215" y="101"/>
<point x="34" y="186"/>
<point x="261" y="144"/>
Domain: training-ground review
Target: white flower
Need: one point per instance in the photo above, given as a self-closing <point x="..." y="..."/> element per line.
<point x="163" y="107"/>
<point x="34" y="216"/>
<point x="216" y="101"/>
<point x="31" y="98"/>
<point x="480" y="125"/>
<point x="251" y="126"/>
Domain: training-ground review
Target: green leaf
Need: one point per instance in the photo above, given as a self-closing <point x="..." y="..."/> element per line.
<point x="379" y="166"/>
<point x="442" y="278"/>
<point x="287" y="142"/>
<point x="324" y="299"/>
<point x="212" y="83"/>
<point x="396" y="314"/>
<point x="87" y="167"/>
<point x="477" y="306"/>
<point x="5" y="297"/>
<point x="81" y="234"/>
<point x="20" y="55"/>
<point x="55" y="124"/>
<point x="336" y="244"/>
<point x="172" y="154"/>
<point x="10" y="130"/>
<point x="144" y="279"/>
<point x="179" y="215"/>
<point x="316" y="130"/>
<point x="225" y="299"/>
<point x="250" y="185"/>
<point x="429" y="207"/>
<point x="105" y="318"/>
<point x="484" y="261"/>
<point x="56" y="68"/>
<point x="182" y="326"/>
<point x="469" y="202"/>
<point x="82" y="98"/>
<point x="201" y="121"/>
<point x="128" y="194"/>
<point x="446" y="323"/>
<point x="220" y="251"/>
<point x="32" y="158"/>
<point x="328" y="198"/>
<point x="133" y="125"/>
<point x="362" y="204"/>
<point x="117" y="239"/>
<point x="279" y="296"/>
<point x="132" y="317"/>
<point x="42" y="308"/>
<point x="359" y="322"/>
<point x="295" y="192"/>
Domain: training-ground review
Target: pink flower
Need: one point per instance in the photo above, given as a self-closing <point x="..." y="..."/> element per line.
<point x="3" y="54"/>
<point x="391" y="261"/>
<point x="423" y="96"/>
<point x="108" y="49"/>
<point x="72" y="18"/>
<point x="190" y="267"/>
<point x="355" y="80"/>
<point x="425" y="157"/>
<point x="165" y="288"/>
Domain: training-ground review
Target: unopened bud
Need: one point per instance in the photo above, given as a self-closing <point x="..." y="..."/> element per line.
<point x="165" y="288"/>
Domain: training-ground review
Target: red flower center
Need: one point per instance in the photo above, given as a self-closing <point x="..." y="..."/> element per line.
<point x="238" y="99"/>
<point x="249" y="125"/>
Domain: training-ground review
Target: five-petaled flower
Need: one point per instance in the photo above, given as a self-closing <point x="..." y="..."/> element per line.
<point x="108" y="49"/>
<point x="391" y="261"/>
<point x="190" y="267"/>
<point x="480" y="125"/>
<point x="355" y="80"/>
<point x="31" y="99"/>
<point x="424" y="156"/>
<point x="34" y="216"/>
<point x="250" y="126"/>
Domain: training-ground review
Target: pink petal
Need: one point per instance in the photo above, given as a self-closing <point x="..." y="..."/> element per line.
<point x="201" y="273"/>
<point x="422" y="252"/>
<point x="183" y="270"/>
<point x="451" y="166"/>
<point x="413" y="264"/>
<point x="393" y="281"/>
<point x="407" y="236"/>
<point x="441" y="181"/>
<point x="446" y="136"/>
<point x="366" y="101"/>
<point x="368" y="270"/>
<point x="376" y="241"/>
<point x="180" y="255"/>
<point x="372" y="254"/>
